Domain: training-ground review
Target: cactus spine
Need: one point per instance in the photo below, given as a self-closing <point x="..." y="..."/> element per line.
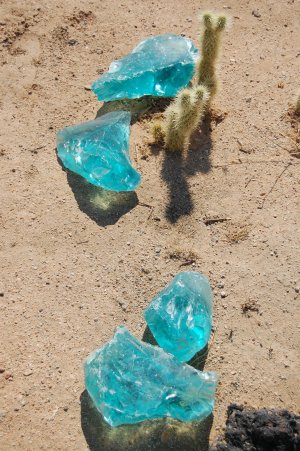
<point x="211" y="39"/>
<point x="183" y="116"/>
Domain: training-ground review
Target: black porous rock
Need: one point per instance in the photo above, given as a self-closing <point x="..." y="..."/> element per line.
<point x="259" y="430"/>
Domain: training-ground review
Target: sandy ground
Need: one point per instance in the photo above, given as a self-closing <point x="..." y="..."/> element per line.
<point x="71" y="271"/>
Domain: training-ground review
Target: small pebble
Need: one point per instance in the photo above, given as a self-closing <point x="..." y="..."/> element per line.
<point x="28" y="373"/>
<point x="223" y="294"/>
<point x="256" y="13"/>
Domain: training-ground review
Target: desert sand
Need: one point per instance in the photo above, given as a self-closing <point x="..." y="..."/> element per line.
<point x="76" y="263"/>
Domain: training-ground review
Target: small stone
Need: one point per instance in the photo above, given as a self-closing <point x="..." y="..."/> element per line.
<point x="28" y="372"/>
<point x="297" y="289"/>
<point x="223" y="294"/>
<point x="256" y="13"/>
<point x="158" y="66"/>
<point x="2" y="370"/>
<point x="220" y="285"/>
<point x="180" y="316"/>
<point x="98" y="151"/>
<point x="131" y="381"/>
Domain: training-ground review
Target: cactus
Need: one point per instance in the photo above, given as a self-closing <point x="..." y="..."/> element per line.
<point x="158" y="132"/>
<point x="211" y="39"/>
<point x="183" y="116"/>
<point x="173" y="140"/>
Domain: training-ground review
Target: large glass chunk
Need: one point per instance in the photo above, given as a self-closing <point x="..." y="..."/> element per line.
<point x="131" y="381"/>
<point x="98" y="150"/>
<point x="180" y="316"/>
<point x="158" y="66"/>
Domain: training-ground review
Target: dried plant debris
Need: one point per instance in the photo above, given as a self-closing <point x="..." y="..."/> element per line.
<point x="186" y="257"/>
<point x="250" y="306"/>
<point x="214" y="219"/>
<point x="236" y="232"/>
<point x="259" y="430"/>
<point x="294" y="119"/>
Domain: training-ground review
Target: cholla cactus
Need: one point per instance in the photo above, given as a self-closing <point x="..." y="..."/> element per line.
<point x="183" y="116"/>
<point x="211" y="39"/>
<point x="158" y="132"/>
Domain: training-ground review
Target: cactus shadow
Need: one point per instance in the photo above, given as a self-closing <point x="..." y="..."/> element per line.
<point x="173" y="173"/>
<point x="177" y="167"/>
<point x="199" y="153"/>
<point x="142" y="107"/>
<point x="160" y="435"/>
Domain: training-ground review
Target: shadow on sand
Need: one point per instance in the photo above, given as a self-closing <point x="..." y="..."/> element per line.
<point x="102" y="206"/>
<point x="178" y="167"/>
<point x="156" y="435"/>
<point x="142" y="107"/>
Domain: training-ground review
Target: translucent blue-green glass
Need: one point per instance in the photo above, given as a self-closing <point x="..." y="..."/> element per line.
<point x="98" y="150"/>
<point x="158" y="66"/>
<point x="180" y="316"/>
<point x="130" y="381"/>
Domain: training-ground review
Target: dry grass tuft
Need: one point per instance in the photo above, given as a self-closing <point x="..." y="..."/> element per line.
<point x="236" y="232"/>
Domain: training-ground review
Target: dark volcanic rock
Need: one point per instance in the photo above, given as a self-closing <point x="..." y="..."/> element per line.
<point x="259" y="430"/>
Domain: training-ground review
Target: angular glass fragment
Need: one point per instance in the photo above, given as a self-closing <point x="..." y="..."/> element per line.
<point x="98" y="151"/>
<point x="180" y="316"/>
<point x="130" y="381"/>
<point x="158" y="66"/>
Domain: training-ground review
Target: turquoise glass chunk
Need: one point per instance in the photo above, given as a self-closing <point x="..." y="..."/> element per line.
<point x="130" y="381"/>
<point x="98" y="150"/>
<point x="180" y="316"/>
<point x="158" y="66"/>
